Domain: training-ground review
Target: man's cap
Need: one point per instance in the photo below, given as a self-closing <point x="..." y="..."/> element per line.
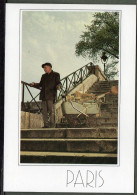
<point x="46" y="64"/>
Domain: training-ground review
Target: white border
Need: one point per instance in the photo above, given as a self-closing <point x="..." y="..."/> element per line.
<point x="53" y="178"/>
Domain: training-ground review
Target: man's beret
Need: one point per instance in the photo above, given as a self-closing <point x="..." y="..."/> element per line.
<point x="46" y="64"/>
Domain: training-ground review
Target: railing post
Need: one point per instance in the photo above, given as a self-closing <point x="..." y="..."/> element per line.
<point x="23" y="88"/>
<point x="66" y="84"/>
<point x="74" y="78"/>
<point x="86" y="70"/>
<point x="81" y="75"/>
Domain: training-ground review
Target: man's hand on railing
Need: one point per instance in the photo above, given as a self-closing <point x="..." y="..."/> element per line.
<point x="32" y="84"/>
<point x="59" y="87"/>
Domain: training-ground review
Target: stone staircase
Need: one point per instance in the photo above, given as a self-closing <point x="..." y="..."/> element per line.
<point x="92" y="143"/>
<point x="109" y="108"/>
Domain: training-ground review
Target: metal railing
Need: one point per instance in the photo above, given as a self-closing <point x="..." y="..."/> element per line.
<point x="68" y="84"/>
<point x="26" y="106"/>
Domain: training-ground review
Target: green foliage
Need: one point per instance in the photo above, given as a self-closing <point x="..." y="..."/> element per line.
<point x="101" y="35"/>
<point x="111" y="70"/>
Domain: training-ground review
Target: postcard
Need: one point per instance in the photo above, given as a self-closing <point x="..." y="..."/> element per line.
<point x="69" y="98"/>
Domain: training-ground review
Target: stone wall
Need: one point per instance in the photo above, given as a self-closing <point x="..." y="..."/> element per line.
<point x="85" y="85"/>
<point x="100" y="74"/>
<point x="30" y="120"/>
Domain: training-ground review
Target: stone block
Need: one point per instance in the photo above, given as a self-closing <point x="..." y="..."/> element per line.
<point x="70" y="145"/>
<point x="43" y="133"/>
<point x="91" y="133"/>
<point x="68" y="158"/>
<point x="22" y="120"/>
<point x="43" y="145"/>
<point x="36" y="120"/>
<point x="92" y="145"/>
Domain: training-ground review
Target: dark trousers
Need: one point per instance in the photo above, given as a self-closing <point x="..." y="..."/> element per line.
<point x="48" y="112"/>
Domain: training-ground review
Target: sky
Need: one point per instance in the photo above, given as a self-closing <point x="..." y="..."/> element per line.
<point x="51" y="36"/>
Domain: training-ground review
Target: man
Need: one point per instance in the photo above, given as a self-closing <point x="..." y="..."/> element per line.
<point x="49" y="83"/>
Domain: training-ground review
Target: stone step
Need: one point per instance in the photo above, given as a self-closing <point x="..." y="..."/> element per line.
<point x="100" y="88"/>
<point x="113" y="81"/>
<point x="114" y="101"/>
<point x="108" y="124"/>
<point x="111" y="95"/>
<point x="101" y="85"/>
<point x="70" y="133"/>
<point x="109" y="105"/>
<point x="91" y="121"/>
<point x="111" y="110"/>
<point x="70" y="145"/>
<point x="111" y="100"/>
<point x="110" y="81"/>
<point x="68" y="158"/>
<point x="101" y="119"/>
<point x="104" y="119"/>
<point x="110" y="115"/>
<point x="107" y="84"/>
<point x="102" y="123"/>
<point x="89" y="125"/>
<point x="107" y="120"/>
<point x="103" y="82"/>
<point x="98" y="92"/>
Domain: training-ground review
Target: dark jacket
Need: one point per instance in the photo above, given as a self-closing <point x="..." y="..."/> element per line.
<point x="48" y="85"/>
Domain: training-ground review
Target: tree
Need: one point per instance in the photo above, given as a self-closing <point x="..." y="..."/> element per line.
<point x="111" y="70"/>
<point x="101" y="36"/>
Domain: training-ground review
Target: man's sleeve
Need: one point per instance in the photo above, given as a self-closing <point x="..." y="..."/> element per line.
<point x="58" y="83"/>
